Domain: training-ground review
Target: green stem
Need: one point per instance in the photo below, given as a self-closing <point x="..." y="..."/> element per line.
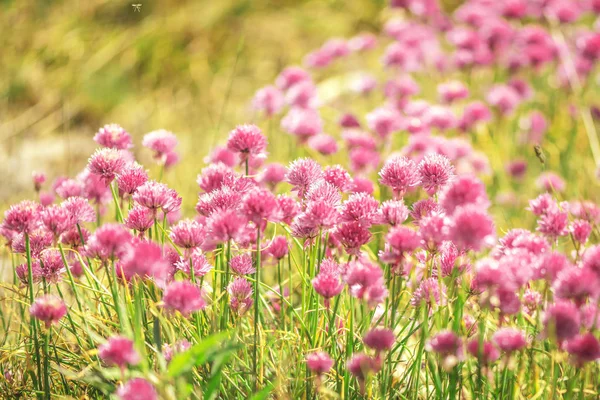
<point x="46" y="366"/>
<point x="257" y="362"/>
<point x="33" y="321"/>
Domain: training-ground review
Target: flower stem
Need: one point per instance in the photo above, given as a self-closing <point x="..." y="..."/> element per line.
<point x="33" y="321"/>
<point x="257" y="362"/>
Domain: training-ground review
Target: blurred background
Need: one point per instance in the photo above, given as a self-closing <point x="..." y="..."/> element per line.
<point x="69" y="67"/>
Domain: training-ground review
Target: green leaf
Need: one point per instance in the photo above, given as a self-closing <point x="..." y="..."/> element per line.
<point x="263" y="394"/>
<point x="198" y="354"/>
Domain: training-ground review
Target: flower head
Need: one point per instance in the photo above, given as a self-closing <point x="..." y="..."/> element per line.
<point x="131" y="177"/>
<point x="119" y="351"/>
<point x="162" y="142"/>
<point x="583" y="348"/>
<point x="240" y="295"/>
<point x="48" y="309"/>
<point x="22" y="217"/>
<point x="509" y="339"/>
<point x="107" y="163"/>
<point x="187" y="234"/>
<point x="319" y="362"/>
<point x="113" y="136"/>
<point x="302" y="173"/>
<point x="137" y="389"/>
<point x="379" y="339"/>
<point x="242" y="264"/>
<point x="435" y="172"/>
<point x="247" y="141"/>
<point x="400" y="174"/>
<point x="184" y="297"/>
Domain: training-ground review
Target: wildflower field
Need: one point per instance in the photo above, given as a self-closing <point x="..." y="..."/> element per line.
<point x="386" y="200"/>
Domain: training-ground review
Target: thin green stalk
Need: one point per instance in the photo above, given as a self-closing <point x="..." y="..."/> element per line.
<point x="115" y="196"/>
<point x="46" y="365"/>
<point x="33" y="322"/>
<point x="257" y="362"/>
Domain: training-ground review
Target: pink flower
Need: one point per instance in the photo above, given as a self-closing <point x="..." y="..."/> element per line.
<point x="39" y="240"/>
<point x="463" y="190"/>
<point x="222" y="155"/>
<point x="242" y="264"/>
<point x="360" y="366"/>
<point x="509" y="339"/>
<point x="137" y="389"/>
<point x="139" y="218"/>
<point x="107" y="163"/>
<point x="278" y="248"/>
<point x="577" y="284"/>
<point x="289" y="208"/>
<point x="272" y="175"/>
<point x="131" y="177"/>
<point x="433" y="230"/>
<point x="474" y="113"/>
<point x="169" y="350"/>
<point x="349" y="121"/>
<point x="113" y="136"/>
<point x="240" y="295"/>
<point x="38" y="180"/>
<point x="400" y="174"/>
<point x="268" y="100"/>
<point x="259" y="205"/>
<point x="52" y="266"/>
<point x="302" y="95"/>
<point x="302" y="173"/>
<point x="46" y="198"/>
<point x="362" y="42"/>
<point x="155" y="196"/>
<point x="403" y="239"/>
<point x="225" y="225"/>
<point x="504" y="98"/>
<point x="352" y="235"/>
<point x="550" y="182"/>
<point x="187" y="234"/>
<point x="430" y="293"/>
<point x="384" y="121"/>
<point x="451" y="91"/>
<point x="394" y="212"/>
<point x="183" y="296"/>
<point x="319" y="362"/>
<point x="110" y="240"/>
<point x="68" y="188"/>
<point x="198" y="262"/>
<point x="365" y="281"/>
<point x="471" y="228"/>
<point x="291" y="76"/>
<point x="144" y="260"/>
<point x="80" y="209"/>
<point x="379" y="339"/>
<point x="583" y="348"/>
<point x="327" y="285"/>
<point x="48" y="309"/>
<point x="119" y="351"/>
<point x="162" y="142"/>
<point x="581" y="230"/>
<point x="362" y="185"/>
<point x="423" y="208"/>
<point x="73" y="239"/>
<point x="22" y="217"/>
<point x="562" y="320"/>
<point x="329" y="267"/>
<point x="445" y="343"/>
<point x="485" y="352"/>
<point x="337" y="176"/>
<point x="362" y="208"/>
<point x="215" y="177"/>
<point x="554" y="223"/>
<point x="248" y="142"/>
<point x="22" y="272"/>
<point x="302" y="122"/>
<point x="57" y="220"/>
<point x="435" y="172"/>
<point x="323" y="143"/>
